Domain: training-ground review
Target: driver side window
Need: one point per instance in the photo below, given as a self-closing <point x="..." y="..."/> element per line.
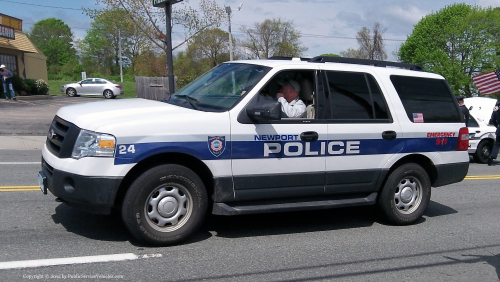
<point x="298" y="103"/>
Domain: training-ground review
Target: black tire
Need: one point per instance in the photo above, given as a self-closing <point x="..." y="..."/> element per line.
<point x="108" y="94"/>
<point x="165" y="205"/>
<point x="483" y="151"/>
<point x="71" y="92"/>
<point x="406" y="194"/>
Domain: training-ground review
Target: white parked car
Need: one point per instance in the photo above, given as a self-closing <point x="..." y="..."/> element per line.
<point x="93" y="86"/>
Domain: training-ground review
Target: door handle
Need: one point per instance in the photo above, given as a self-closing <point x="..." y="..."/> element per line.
<point x="389" y="135"/>
<point x="309" y="136"/>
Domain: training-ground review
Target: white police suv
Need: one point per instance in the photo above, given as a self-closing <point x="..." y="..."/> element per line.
<point x="374" y="133"/>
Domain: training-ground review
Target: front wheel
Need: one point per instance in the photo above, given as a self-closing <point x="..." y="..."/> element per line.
<point x="71" y="92"/>
<point x="108" y="94"/>
<point x="483" y="151"/>
<point x="406" y="194"/>
<point x="165" y="205"/>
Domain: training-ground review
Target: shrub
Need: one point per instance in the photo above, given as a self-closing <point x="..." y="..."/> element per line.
<point x="30" y="85"/>
<point x="42" y="88"/>
<point x="18" y="83"/>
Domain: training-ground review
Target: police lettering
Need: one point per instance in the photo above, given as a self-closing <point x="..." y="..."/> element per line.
<point x="297" y="149"/>
<point x="275" y="137"/>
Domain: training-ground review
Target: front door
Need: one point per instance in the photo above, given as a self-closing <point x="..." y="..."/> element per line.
<point x="283" y="158"/>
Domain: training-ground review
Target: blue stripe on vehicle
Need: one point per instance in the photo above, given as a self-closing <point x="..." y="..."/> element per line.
<point x="255" y="149"/>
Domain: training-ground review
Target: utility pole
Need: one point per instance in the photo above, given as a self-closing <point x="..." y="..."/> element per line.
<point x="229" y="11"/>
<point x="120" y="54"/>
<point x="167" y="4"/>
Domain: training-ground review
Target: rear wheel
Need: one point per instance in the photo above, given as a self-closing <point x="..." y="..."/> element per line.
<point x="108" y="94"/>
<point x="71" y="92"/>
<point x="406" y="194"/>
<point x="483" y="151"/>
<point x="165" y="205"/>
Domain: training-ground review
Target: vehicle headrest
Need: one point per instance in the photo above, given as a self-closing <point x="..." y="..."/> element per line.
<point x="306" y="90"/>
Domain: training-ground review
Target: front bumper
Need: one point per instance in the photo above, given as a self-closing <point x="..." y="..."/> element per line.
<point x="92" y="194"/>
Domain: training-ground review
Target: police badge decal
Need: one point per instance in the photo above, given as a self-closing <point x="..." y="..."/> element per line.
<point x="216" y="145"/>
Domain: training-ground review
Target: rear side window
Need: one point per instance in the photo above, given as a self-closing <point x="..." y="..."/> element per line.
<point x="427" y="100"/>
<point x="355" y="97"/>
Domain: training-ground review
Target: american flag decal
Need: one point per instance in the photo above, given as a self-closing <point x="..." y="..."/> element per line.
<point x="418" y="117"/>
<point x="488" y="83"/>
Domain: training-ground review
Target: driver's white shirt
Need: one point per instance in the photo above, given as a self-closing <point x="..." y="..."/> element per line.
<point x="295" y="108"/>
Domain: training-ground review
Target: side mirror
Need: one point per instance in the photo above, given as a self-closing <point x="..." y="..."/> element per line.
<point x="264" y="110"/>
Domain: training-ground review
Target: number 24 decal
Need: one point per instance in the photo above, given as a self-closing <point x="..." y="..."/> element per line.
<point x="123" y="149"/>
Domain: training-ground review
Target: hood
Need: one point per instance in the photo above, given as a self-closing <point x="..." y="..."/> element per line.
<point x="93" y="115"/>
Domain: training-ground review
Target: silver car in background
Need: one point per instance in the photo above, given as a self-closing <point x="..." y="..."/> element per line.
<point x="93" y="86"/>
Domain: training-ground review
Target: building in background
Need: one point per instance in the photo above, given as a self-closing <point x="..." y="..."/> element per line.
<point x="18" y="53"/>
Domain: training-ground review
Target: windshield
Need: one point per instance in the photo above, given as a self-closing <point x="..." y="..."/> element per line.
<point x="220" y="88"/>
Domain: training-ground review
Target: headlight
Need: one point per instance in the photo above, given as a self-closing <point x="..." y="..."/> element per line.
<point x="93" y="144"/>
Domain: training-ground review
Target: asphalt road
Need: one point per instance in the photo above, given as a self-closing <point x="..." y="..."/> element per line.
<point x="33" y="117"/>
<point x="458" y="239"/>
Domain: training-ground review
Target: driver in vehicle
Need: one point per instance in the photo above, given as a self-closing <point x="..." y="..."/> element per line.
<point x="288" y="96"/>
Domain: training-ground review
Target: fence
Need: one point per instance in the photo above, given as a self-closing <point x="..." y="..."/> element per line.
<point x="152" y="88"/>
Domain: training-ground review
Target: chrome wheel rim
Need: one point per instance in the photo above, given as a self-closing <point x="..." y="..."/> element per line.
<point x="168" y="208"/>
<point x="486" y="152"/>
<point x="408" y="195"/>
<point x="108" y="94"/>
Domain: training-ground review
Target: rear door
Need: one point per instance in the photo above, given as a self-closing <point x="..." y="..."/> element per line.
<point x="362" y="133"/>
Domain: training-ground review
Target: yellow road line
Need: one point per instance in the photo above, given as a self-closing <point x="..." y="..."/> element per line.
<point x="481" y="177"/>
<point x="19" y="188"/>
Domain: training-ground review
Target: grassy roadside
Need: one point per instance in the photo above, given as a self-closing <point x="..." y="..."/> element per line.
<point x="55" y="88"/>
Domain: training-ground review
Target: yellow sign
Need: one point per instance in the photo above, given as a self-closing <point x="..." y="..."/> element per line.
<point x="11" y="22"/>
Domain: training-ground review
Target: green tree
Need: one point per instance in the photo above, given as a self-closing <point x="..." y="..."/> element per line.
<point x="330" y="55"/>
<point x="110" y="28"/>
<point x="213" y="44"/>
<point x="370" y="46"/>
<point x="273" y="38"/>
<point x="54" y="38"/>
<point x="458" y="42"/>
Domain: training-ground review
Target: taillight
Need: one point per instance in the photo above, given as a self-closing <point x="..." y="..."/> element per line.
<point x="463" y="139"/>
<point x="118" y="86"/>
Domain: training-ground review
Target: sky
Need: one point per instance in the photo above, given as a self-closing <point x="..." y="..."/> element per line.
<point x="326" y="26"/>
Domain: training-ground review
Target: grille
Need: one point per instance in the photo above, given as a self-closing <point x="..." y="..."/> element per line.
<point x="47" y="168"/>
<point x="61" y="137"/>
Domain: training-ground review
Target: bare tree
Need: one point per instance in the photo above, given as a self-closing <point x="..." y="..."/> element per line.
<point x="272" y="38"/>
<point x="370" y="46"/>
<point x="151" y="21"/>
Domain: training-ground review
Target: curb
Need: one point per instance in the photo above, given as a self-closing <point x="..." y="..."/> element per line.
<point x="34" y="97"/>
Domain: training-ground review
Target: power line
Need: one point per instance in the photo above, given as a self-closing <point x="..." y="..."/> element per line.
<point x="28" y="4"/>
<point x="326" y="36"/>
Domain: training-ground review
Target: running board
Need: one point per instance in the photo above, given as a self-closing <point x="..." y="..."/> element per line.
<point x="227" y="209"/>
